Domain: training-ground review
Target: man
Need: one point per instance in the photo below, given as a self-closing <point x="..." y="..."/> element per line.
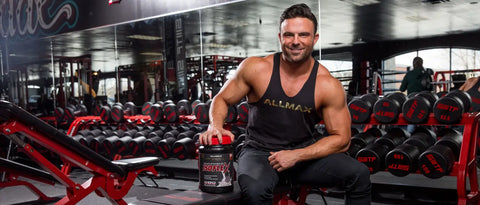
<point x="472" y="87"/>
<point x="416" y="80"/>
<point x="288" y="93"/>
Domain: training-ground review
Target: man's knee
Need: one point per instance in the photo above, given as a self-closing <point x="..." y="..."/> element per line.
<point x="254" y="190"/>
<point x="360" y="179"/>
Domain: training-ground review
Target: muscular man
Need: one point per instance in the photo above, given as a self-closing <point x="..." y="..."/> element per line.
<point x="472" y="87"/>
<point x="288" y="93"/>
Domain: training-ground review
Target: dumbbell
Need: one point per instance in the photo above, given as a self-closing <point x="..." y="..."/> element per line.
<point x="135" y="145"/>
<point x="184" y="107"/>
<point x="156" y="113"/>
<point x="362" y="139"/>
<point x="402" y="160"/>
<point x="170" y="112"/>
<point x="109" y="146"/>
<point x="417" y="109"/>
<point x="146" y="108"/>
<point x="121" y="146"/>
<point x="165" y="145"/>
<point x="85" y="136"/>
<point x="150" y="144"/>
<point x="195" y="103"/>
<point x="201" y="112"/>
<point x="72" y="112"/>
<point x="118" y="112"/>
<point x="184" y="147"/>
<point x="361" y="108"/>
<point x="97" y="109"/>
<point x="450" y="108"/>
<point x="438" y="160"/>
<point x="96" y="144"/>
<point x="373" y="155"/>
<point x="232" y="114"/>
<point x="243" y="111"/>
<point x="353" y="131"/>
<point x="386" y="110"/>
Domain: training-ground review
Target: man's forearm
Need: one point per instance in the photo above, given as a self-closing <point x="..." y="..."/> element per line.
<point x="218" y="112"/>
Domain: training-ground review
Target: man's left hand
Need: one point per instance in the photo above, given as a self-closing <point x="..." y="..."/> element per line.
<point x="283" y="160"/>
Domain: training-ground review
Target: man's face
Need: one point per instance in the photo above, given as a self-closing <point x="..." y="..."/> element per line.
<point x="297" y="37"/>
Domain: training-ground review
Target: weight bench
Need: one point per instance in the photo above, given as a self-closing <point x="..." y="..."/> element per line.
<point x="13" y="170"/>
<point x="111" y="179"/>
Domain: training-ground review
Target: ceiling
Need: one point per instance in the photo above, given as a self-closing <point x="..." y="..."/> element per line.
<point x="250" y="28"/>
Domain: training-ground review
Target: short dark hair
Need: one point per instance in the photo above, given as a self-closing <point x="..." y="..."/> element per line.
<point x="299" y="10"/>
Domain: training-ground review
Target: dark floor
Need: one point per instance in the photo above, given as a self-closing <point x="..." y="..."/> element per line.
<point x="387" y="189"/>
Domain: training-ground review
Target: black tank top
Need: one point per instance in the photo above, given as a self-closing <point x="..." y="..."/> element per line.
<point x="279" y="122"/>
<point x="473" y="91"/>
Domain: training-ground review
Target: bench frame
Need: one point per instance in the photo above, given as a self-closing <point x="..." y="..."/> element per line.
<point x="111" y="179"/>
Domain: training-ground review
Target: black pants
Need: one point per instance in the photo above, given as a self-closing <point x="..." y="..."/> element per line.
<point x="257" y="178"/>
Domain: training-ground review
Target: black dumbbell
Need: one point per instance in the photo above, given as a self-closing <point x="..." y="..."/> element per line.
<point x="71" y="113"/>
<point x="402" y="160"/>
<point x="156" y="113"/>
<point x="232" y="114"/>
<point x="96" y="109"/>
<point x="96" y="143"/>
<point x="184" y="107"/>
<point x="418" y="108"/>
<point x="201" y="112"/>
<point x="165" y="145"/>
<point x="150" y="143"/>
<point x="373" y="155"/>
<point x="119" y="112"/>
<point x="170" y="112"/>
<point x="362" y="139"/>
<point x="121" y="146"/>
<point x="387" y="109"/>
<point x="438" y="160"/>
<point x="109" y="146"/>
<point x="184" y="147"/>
<point x="135" y="146"/>
<point x="450" y="108"/>
<point x="146" y="108"/>
<point x="361" y="108"/>
<point x="243" y="110"/>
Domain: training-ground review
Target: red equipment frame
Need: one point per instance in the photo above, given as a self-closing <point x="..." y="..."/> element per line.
<point x="466" y="166"/>
<point x="111" y="179"/>
<point x="14" y="170"/>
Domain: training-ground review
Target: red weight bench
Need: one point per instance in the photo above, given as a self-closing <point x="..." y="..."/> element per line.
<point x="111" y="179"/>
<point x="14" y="170"/>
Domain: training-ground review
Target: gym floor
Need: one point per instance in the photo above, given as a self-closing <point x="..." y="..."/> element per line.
<point x="387" y="189"/>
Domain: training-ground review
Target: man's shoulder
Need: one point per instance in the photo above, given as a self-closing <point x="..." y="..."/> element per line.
<point x="258" y="59"/>
<point x="256" y="62"/>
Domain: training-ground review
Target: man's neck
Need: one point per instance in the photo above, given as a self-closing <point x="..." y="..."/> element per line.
<point x="297" y="68"/>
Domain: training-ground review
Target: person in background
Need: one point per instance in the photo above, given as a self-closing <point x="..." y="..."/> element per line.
<point x="288" y="94"/>
<point x="416" y="80"/>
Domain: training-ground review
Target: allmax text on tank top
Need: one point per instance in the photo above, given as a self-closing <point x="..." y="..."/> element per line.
<point x="287" y="105"/>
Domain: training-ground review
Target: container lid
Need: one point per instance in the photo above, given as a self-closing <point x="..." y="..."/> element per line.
<point x="225" y="140"/>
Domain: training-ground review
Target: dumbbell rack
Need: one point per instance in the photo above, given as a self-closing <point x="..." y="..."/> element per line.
<point x="466" y="166"/>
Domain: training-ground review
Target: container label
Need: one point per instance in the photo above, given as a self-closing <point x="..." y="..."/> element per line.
<point x="216" y="170"/>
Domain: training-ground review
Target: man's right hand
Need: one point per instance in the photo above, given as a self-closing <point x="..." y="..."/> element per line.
<point x="212" y="131"/>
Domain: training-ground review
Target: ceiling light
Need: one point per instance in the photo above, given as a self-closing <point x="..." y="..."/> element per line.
<point x="151" y="54"/>
<point x="361" y="2"/>
<point x="145" y="37"/>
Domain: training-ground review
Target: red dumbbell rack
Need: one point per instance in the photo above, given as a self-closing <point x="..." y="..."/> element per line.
<point x="466" y="166"/>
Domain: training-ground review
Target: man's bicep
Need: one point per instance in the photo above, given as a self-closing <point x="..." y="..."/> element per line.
<point x="335" y="112"/>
